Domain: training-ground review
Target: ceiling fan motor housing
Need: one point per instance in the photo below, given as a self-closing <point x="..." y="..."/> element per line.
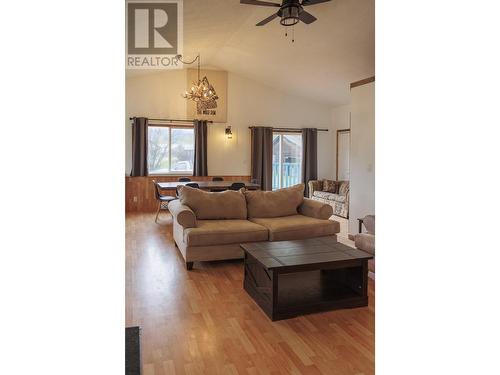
<point x="290" y="10"/>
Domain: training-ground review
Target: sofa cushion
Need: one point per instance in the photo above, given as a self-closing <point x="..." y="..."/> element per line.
<point x="214" y="206"/>
<point x="221" y="232"/>
<point x="365" y="242"/>
<point x="282" y="202"/>
<point x="329" y="196"/>
<point x="344" y="188"/>
<point x="297" y="227"/>
<point x="337" y="198"/>
<point x="322" y="194"/>
<point x="330" y="186"/>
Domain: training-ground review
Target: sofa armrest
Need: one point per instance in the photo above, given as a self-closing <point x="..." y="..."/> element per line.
<point x="318" y="210"/>
<point x="314" y="185"/>
<point x="182" y="214"/>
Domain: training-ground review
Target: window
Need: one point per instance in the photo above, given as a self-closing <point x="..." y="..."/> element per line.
<point x="287" y="159"/>
<point x="170" y="150"/>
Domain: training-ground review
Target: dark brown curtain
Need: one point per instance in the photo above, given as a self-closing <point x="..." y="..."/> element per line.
<point x="262" y="157"/>
<point x="139" y="147"/>
<point x="200" y="148"/>
<point x="309" y="157"/>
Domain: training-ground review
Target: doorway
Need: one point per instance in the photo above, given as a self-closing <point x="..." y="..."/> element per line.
<point x="343" y="149"/>
<point x="287" y="159"/>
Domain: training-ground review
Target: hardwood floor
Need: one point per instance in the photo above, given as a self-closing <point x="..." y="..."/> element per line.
<point x="203" y="322"/>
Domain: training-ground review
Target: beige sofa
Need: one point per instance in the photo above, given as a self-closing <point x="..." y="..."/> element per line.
<point x="334" y="193"/>
<point x="211" y="226"/>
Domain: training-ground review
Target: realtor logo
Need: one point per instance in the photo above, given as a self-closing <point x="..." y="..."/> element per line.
<point x="154" y="34"/>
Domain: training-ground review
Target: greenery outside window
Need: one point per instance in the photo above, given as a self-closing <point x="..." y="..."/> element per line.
<point x="170" y="150"/>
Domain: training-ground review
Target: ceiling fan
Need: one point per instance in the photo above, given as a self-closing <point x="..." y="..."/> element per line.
<point x="290" y="12"/>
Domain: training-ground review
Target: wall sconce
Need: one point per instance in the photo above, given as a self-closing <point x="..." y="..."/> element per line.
<point x="229" y="133"/>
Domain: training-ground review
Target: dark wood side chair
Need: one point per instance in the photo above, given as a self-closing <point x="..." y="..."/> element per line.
<point x="184" y="179"/>
<point x="217" y="190"/>
<point x="163" y="200"/>
<point x="237" y="186"/>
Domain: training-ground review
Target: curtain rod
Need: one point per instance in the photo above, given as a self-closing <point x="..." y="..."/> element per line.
<point x="289" y="129"/>
<point x="171" y="120"/>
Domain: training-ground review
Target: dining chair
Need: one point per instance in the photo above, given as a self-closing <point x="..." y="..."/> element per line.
<point x="184" y="179"/>
<point x="237" y="186"/>
<point x="163" y="200"/>
<point x="193" y="185"/>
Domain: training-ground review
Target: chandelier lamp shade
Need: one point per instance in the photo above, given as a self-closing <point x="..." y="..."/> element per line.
<point x="201" y="91"/>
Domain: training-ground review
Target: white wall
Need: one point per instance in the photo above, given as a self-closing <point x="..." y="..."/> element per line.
<point x="154" y="96"/>
<point x="362" y="157"/>
<point x="340" y="120"/>
<point x="249" y="103"/>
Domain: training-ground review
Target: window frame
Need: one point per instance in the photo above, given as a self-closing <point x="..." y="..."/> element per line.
<point x="281" y="133"/>
<point x="176" y="173"/>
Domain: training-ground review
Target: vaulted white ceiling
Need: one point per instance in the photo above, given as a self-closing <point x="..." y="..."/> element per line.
<point x="327" y="55"/>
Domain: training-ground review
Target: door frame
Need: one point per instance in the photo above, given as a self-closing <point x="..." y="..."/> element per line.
<point x="281" y="133"/>
<point x="337" y="150"/>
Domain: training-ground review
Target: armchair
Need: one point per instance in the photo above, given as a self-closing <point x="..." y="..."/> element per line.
<point x="333" y="193"/>
<point x="366" y="241"/>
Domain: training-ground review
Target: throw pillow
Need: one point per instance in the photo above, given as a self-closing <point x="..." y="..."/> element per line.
<point x="344" y="188"/>
<point x="228" y="204"/>
<point x="282" y="202"/>
<point x="330" y="186"/>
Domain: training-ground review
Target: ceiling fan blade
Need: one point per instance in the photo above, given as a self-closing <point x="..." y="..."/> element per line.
<point x="312" y="2"/>
<point x="267" y="20"/>
<point x="258" y="2"/>
<point x="306" y="17"/>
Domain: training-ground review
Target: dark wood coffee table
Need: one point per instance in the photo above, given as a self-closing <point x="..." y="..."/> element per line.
<point x="290" y="278"/>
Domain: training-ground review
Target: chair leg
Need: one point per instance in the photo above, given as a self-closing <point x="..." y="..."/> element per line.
<point x="189" y="266"/>
<point x="157" y="212"/>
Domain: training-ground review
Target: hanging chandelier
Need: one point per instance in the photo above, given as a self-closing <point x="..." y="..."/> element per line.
<point x="201" y="91"/>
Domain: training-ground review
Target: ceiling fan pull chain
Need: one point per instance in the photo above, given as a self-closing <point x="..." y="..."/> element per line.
<point x="293" y="34"/>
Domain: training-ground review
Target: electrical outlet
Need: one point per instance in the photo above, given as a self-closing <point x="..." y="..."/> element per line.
<point x="135" y="199"/>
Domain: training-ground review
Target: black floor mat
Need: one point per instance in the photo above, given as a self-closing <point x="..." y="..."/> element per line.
<point x="132" y="351"/>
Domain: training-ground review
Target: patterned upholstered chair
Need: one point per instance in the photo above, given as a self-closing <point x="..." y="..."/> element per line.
<point x="366" y="240"/>
<point x="334" y="193"/>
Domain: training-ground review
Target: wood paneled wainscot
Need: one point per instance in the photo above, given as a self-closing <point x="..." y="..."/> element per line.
<point x="140" y="195"/>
